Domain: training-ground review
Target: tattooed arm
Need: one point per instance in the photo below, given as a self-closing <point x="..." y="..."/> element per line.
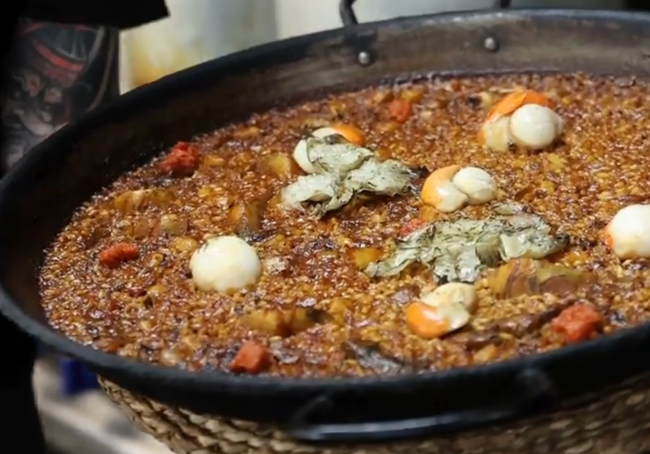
<point x="59" y="70"/>
<point x="54" y="73"/>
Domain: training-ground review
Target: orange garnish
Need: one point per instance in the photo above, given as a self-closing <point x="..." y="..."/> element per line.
<point x="351" y="133"/>
<point x="424" y="322"/>
<point x="480" y="137"/>
<point x="607" y="237"/>
<point x="515" y="100"/>
<point x="430" y="194"/>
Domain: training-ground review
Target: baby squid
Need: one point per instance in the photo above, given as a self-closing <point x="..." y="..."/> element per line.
<point x="450" y="188"/>
<point x="446" y="309"/>
<point x="350" y="133"/>
<point x="523" y="118"/>
<point x="628" y="233"/>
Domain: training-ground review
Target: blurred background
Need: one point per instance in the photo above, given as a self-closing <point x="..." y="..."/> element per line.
<point x="77" y="417"/>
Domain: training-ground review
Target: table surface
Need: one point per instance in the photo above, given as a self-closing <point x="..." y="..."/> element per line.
<point x="86" y="423"/>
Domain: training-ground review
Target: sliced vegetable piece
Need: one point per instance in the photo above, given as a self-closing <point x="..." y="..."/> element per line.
<point x="140" y="199"/>
<point x="282" y="322"/>
<point x="281" y="165"/>
<point x="252" y="358"/>
<point x="527" y="276"/>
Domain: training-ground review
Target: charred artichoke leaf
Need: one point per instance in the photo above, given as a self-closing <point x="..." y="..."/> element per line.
<point x="394" y="264"/>
<point x="531" y="243"/>
<point x="460" y="250"/>
<point x="468" y="264"/>
<point x="310" y="188"/>
<point x="340" y="199"/>
<point x="389" y="178"/>
<point x="409" y="251"/>
<point x="336" y="159"/>
<point x="343" y="170"/>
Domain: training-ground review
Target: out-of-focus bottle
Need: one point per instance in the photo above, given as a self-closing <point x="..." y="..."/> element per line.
<point x="196" y="31"/>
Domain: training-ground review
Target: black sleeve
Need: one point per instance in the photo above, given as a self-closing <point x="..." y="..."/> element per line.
<point x="19" y="421"/>
<point x="112" y="13"/>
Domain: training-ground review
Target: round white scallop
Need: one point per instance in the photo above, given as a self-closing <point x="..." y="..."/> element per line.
<point x="629" y="232"/>
<point x="301" y="156"/>
<point x="450" y="197"/>
<point x="452" y="292"/>
<point x="497" y="136"/>
<point x="476" y="183"/>
<point x="535" y="127"/>
<point x="225" y="264"/>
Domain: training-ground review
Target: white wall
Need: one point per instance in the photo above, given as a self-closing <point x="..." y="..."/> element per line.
<point x="196" y="31"/>
<point x="296" y="17"/>
<point x="199" y="30"/>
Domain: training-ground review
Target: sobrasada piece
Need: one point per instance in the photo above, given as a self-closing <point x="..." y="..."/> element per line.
<point x="393" y="229"/>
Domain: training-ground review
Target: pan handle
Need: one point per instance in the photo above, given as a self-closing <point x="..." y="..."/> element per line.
<point x="534" y="389"/>
<point x="349" y="17"/>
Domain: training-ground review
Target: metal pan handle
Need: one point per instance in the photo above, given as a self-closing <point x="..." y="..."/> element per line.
<point x="534" y="393"/>
<point x="349" y="18"/>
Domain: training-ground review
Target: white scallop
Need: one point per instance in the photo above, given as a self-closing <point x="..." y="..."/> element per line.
<point x="225" y="264"/>
<point x="535" y="127"/>
<point x="452" y="293"/>
<point x="301" y="156"/>
<point x="496" y="134"/>
<point x="451" y="198"/>
<point x="452" y="312"/>
<point x="477" y="184"/>
<point x="629" y="232"/>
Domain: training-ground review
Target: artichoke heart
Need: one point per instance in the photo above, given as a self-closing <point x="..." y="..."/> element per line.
<point x="458" y="251"/>
<point x="341" y="171"/>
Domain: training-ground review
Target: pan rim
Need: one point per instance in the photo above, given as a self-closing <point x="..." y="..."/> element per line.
<point x="207" y="379"/>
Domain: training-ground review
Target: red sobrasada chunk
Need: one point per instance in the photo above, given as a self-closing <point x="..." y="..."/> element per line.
<point x="578" y="323"/>
<point x="183" y="159"/>
<point x="116" y="254"/>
